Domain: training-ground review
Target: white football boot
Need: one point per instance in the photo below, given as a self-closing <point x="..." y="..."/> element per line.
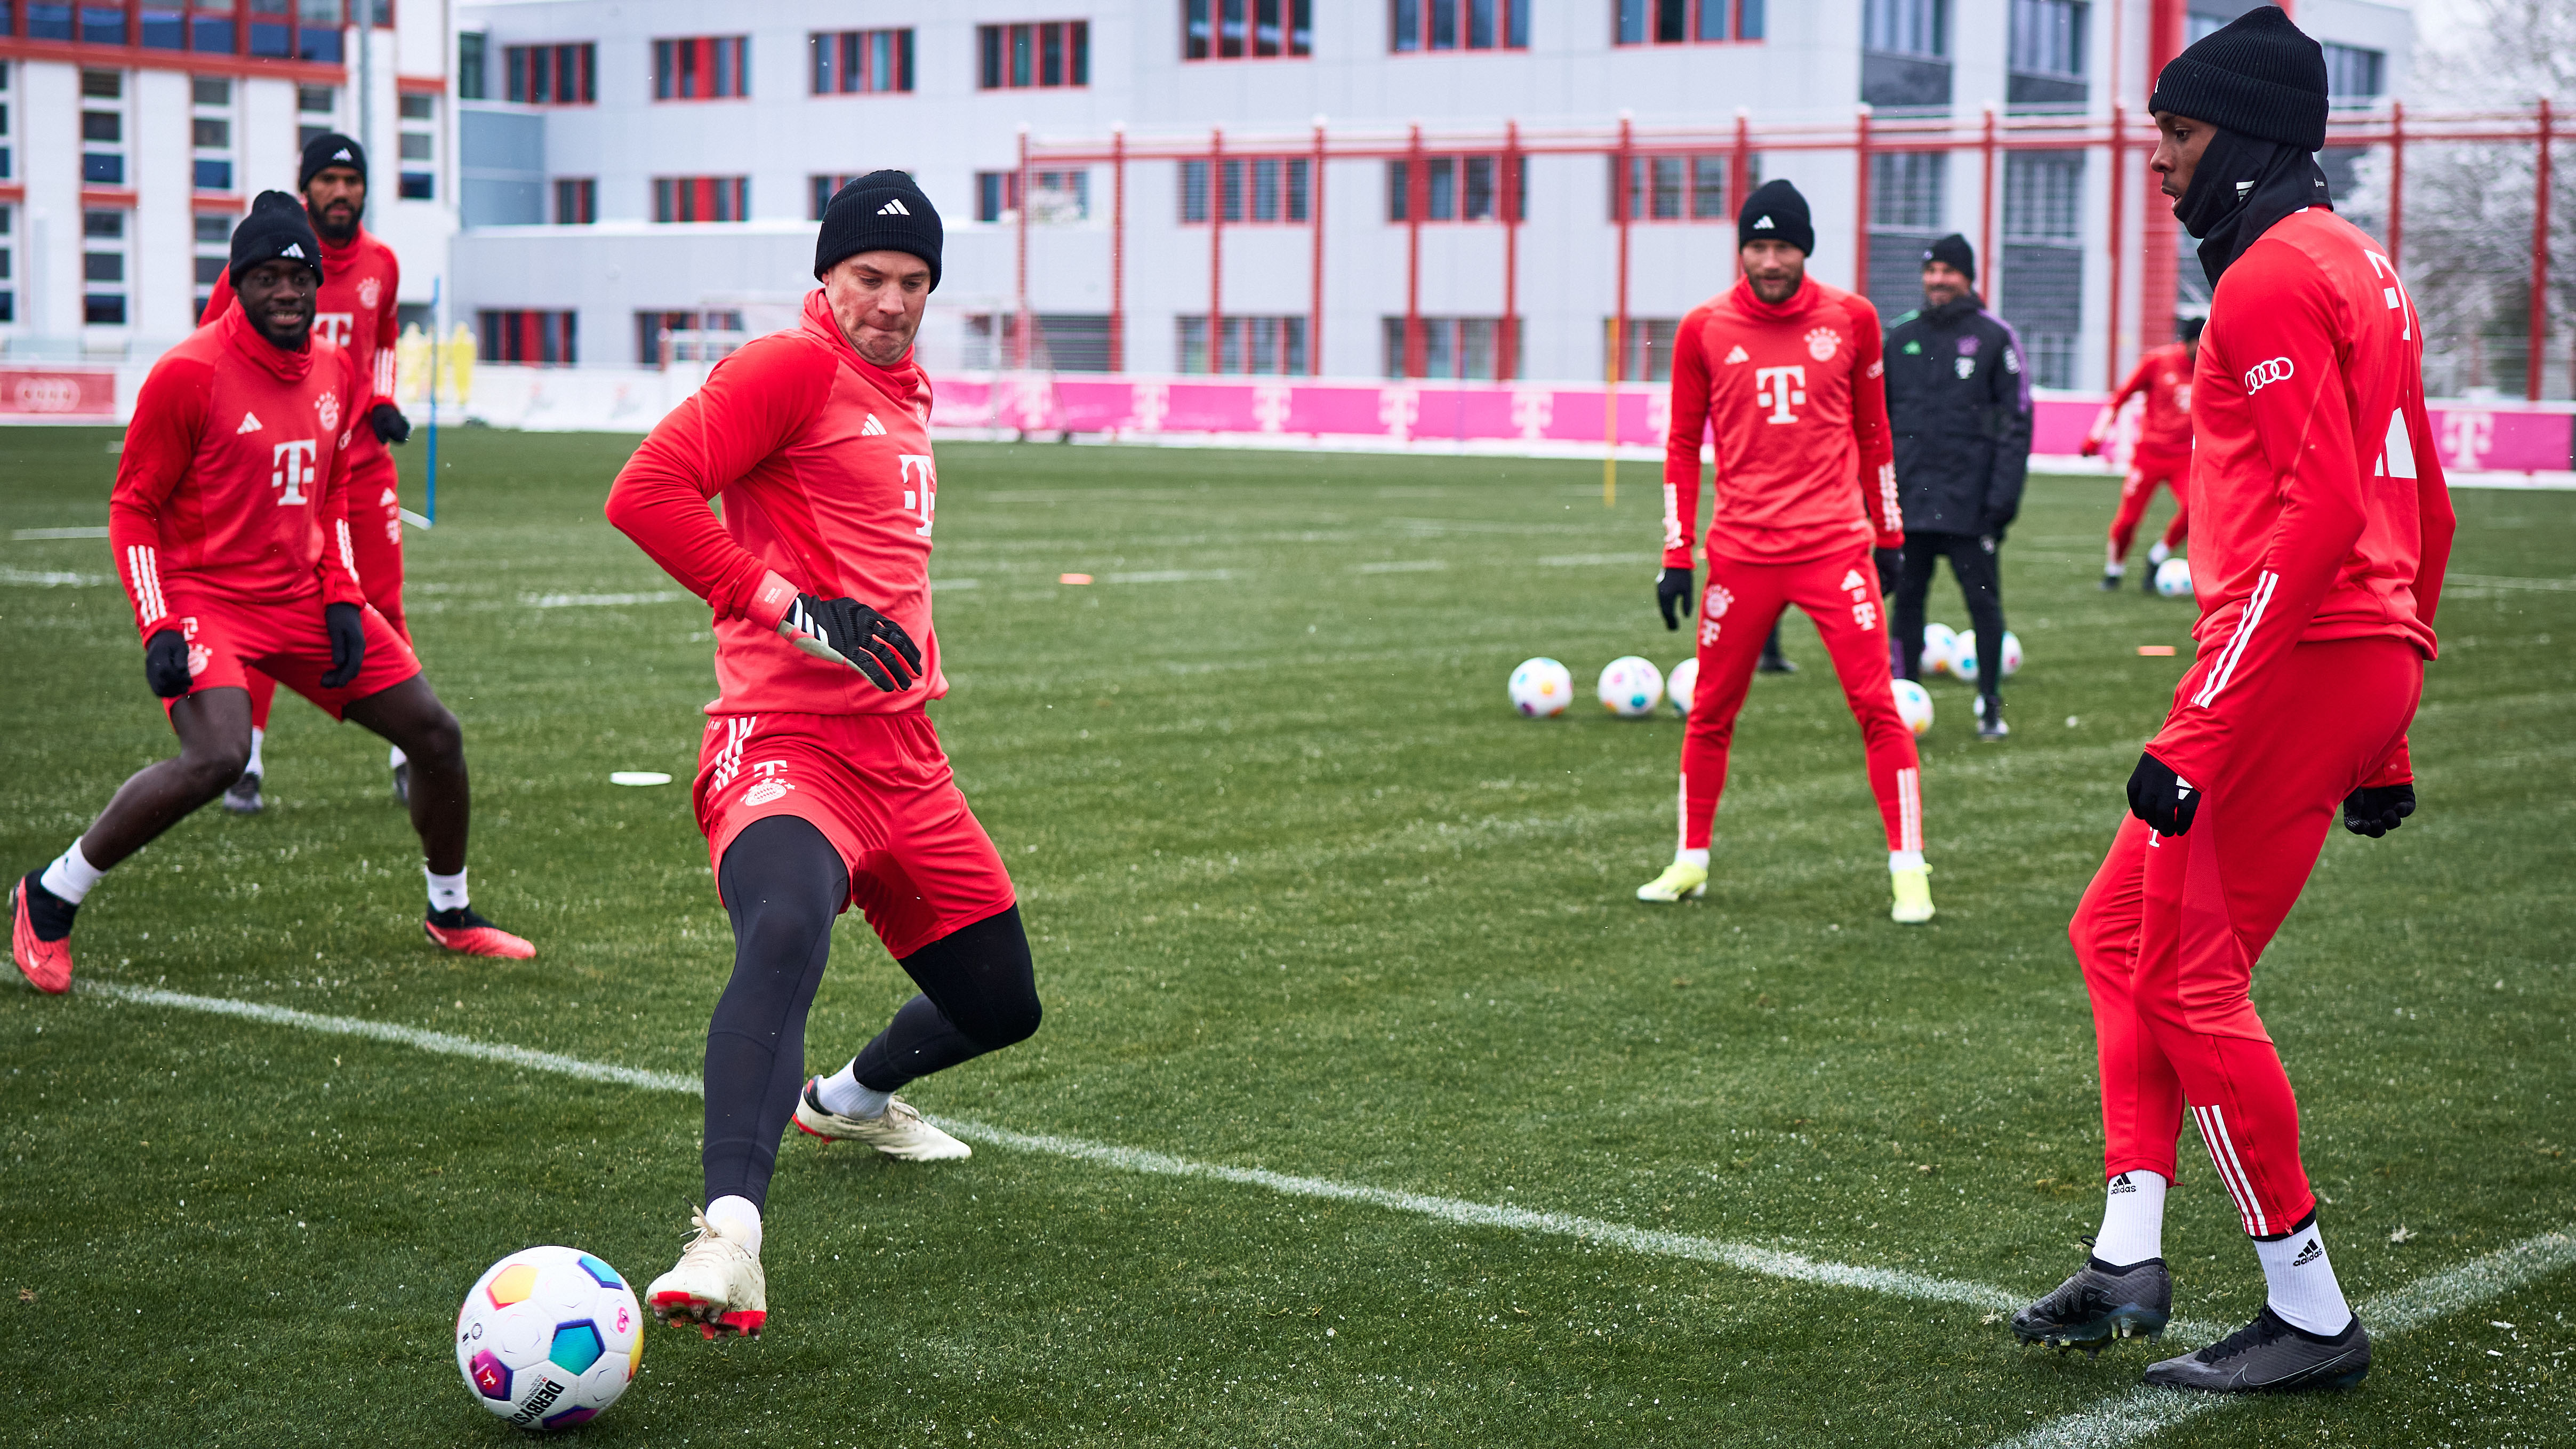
<point x="899" y="1132"/>
<point x="717" y="1285"/>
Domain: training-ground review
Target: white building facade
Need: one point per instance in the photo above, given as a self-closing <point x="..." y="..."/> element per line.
<point x="637" y="173"/>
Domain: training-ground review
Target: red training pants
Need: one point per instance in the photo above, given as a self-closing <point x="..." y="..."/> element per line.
<point x="375" y="537"/>
<point x="2169" y="931"/>
<point x="1742" y="602"/>
<point x="2147" y="470"/>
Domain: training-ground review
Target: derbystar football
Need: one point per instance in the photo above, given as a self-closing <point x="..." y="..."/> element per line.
<point x="1630" y="687"/>
<point x="1914" y="706"/>
<point x="1682" y="684"/>
<point x="1940" y="643"/>
<point x="1963" y="657"/>
<point x="2012" y="654"/>
<point x="2173" y="578"/>
<point x="549" y="1337"/>
<point x="1542" y="687"/>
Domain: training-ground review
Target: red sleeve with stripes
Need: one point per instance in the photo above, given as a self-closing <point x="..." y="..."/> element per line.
<point x="160" y="444"/>
<point x="1682" y="440"/>
<point x="1870" y="430"/>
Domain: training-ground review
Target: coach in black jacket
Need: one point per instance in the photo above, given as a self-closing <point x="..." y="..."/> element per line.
<point x="1958" y="399"/>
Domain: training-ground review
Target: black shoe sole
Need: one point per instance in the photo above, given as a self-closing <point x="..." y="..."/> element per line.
<point x="2134" y="1320"/>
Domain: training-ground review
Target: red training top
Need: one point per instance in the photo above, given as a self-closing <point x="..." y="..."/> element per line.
<point x="824" y="463"/>
<point x="234" y="477"/>
<point x="1797" y="396"/>
<point x="2164" y="375"/>
<point x="2318" y="509"/>
<point x="356" y="309"/>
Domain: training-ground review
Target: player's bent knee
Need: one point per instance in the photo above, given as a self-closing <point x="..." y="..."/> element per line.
<point x="1009" y="1021"/>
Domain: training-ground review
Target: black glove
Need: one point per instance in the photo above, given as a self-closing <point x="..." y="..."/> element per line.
<point x="1993" y="535"/>
<point x="390" y="424"/>
<point x="1889" y="561"/>
<point x="2159" y="797"/>
<point x="2375" y="810"/>
<point x="1671" y="587"/>
<point x="348" y="643"/>
<point x="165" y="663"/>
<point x="846" y="631"/>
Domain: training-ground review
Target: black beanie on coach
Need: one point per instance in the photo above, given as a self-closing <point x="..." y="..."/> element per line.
<point x="327" y="150"/>
<point x="276" y="228"/>
<point x="1953" y="249"/>
<point x="1779" y="213"/>
<point x="882" y="210"/>
<point x="2258" y="75"/>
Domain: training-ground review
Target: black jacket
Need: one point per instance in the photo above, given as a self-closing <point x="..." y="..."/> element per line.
<point x="1958" y="401"/>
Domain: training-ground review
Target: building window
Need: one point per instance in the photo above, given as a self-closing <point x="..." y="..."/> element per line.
<point x="1452" y="347"/>
<point x="543" y="339"/>
<point x="8" y="287"/>
<point x="103" y="235"/>
<point x="1645" y="348"/>
<point x="1062" y="196"/>
<point x="1248" y="29"/>
<point x="210" y="133"/>
<point x="1258" y="346"/>
<point x="1906" y="27"/>
<point x="576" y="200"/>
<point x="1259" y="190"/>
<point x="471" y="47"/>
<point x="1455" y="188"/>
<point x="821" y="189"/>
<point x="662" y="338"/>
<point x="1680" y="22"/>
<point x="701" y="198"/>
<point x="1059" y="342"/>
<point x="702" y="68"/>
<point x="2354" y="75"/>
<point x="1672" y="188"/>
<point x="1049" y="53"/>
<point x="418" y="106"/>
<point x="861" y="62"/>
<point x="102" y="126"/>
<point x="320" y="102"/>
<point x="1909" y="190"/>
<point x="2043" y="197"/>
<point x="308" y="30"/>
<point x="2047" y="54"/>
<point x="213" y="236"/>
<point x="551" y="75"/>
<point x="1422" y="25"/>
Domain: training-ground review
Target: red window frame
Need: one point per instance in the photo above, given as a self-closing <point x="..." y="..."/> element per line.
<point x="1249" y="29"/>
<point x="530" y="338"/>
<point x="1033" y="55"/>
<point x="690" y="199"/>
<point x="1647" y="195"/>
<point x="1401" y="183"/>
<point x="1456" y="19"/>
<point x="1695" y="15"/>
<point x="844" y="62"/>
<point x="1245" y="187"/>
<point x="568" y="70"/>
<point x="702" y="68"/>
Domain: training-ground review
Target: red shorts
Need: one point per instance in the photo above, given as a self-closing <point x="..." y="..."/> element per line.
<point x="286" y="642"/>
<point x="879" y="788"/>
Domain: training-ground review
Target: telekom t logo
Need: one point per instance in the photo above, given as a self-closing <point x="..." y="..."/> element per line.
<point x="1779" y="389"/>
<point x="333" y="327"/>
<point x="292" y="468"/>
<point x="922" y="501"/>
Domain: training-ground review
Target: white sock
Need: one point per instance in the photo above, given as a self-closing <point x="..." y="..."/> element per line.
<point x="737" y="1218"/>
<point x="2133" y="1219"/>
<point x="2304" y="1290"/>
<point x="71" y="875"/>
<point x="446" y="892"/>
<point x="258" y="737"/>
<point x="2114" y="569"/>
<point x="1697" y="857"/>
<point x="1904" y="860"/>
<point x="2157" y="553"/>
<point x="842" y="1092"/>
<point x="395" y="759"/>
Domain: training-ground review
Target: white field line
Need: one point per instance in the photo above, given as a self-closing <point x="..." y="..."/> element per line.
<point x="53" y="578"/>
<point x="2143" y="1412"/>
<point x="1768" y="1262"/>
<point x="87" y="530"/>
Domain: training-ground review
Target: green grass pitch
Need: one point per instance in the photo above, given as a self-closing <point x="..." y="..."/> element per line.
<point x="1306" y="897"/>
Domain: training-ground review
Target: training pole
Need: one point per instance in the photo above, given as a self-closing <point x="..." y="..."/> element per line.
<point x="429" y="502"/>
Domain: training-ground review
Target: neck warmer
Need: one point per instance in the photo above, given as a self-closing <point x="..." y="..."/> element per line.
<point x="248" y="342"/>
<point x="2242" y="186"/>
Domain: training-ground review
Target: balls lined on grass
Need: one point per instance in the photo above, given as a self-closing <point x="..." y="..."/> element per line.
<point x="549" y="1337"/>
<point x="1940" y="646"/>
<point x="1914" y="706"/>
<point x="1963" y="658"/>
<point x="1541" y="687"/>
<point x="2173" y="578"/>
<point x="1630" y="687"/>
<point x="1682" y="684"/>
<point x="2012" y="654"/>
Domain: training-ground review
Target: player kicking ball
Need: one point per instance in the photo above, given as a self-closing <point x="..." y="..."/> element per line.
<point x="230" y="525"/>
<point x="821" y="784"/>
<point x="1786" y="372"/>
<point x="2324" y="527"/>
<point x="357" y="311"/>
<point x="2162" y="457"/>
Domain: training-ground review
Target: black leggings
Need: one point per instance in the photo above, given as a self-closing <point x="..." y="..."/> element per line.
<point x="783" y="885"/>
<point x="1980" y="580"/>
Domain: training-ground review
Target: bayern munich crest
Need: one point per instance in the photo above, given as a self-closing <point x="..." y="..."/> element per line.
<point x="1822" y="342"/>
<point x="327" y="408"/>
<point x="369" y="290"/>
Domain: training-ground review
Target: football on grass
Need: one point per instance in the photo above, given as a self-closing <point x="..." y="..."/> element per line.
<point x="2173" y="578"/>
<point x="1542" y="687"/>
<point x="1682" y="685"/>
<point x="1631" y="687"/>
<point x="1914" y="706"/>
<point x="548" y="1338"/>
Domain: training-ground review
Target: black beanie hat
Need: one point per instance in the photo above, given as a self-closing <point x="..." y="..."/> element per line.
<point x="2258" y="75"/>
<point x="327" y="150"/>
<point x="881" y="210"/>
<point x="2188" y="329"/>
<point x="1953" y="249"/>
<point x="1776" y="212"/>
<point x="276" y="228"/>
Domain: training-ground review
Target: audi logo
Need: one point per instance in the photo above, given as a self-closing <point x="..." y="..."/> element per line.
<point x="48" y="395"/>
<point x="2267" y="372"/>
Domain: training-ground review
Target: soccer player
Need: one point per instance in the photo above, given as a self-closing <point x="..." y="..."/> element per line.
<point x="1786" y="372"/>
<point x="355" y="311"/>
<point x="1958" y="400"/>
<point x="821" y="784"/>
<point x="230" y="525"/>
<point x="2163" y="454"/>
<point x="2324" y="528"/>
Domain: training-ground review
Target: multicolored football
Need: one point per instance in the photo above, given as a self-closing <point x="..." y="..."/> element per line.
<point x="549" y="1337"/>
